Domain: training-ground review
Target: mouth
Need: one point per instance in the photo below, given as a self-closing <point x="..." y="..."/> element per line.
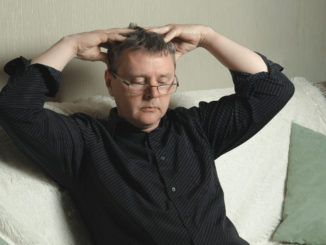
<point x="149" y="108"/>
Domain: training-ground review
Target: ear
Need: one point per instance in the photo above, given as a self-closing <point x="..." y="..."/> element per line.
<point x="108" y="81"/>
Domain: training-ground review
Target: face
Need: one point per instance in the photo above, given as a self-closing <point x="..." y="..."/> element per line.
<point x="143" y="111"/>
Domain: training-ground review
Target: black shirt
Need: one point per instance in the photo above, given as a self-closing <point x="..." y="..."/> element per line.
<point x="133" y="187"/>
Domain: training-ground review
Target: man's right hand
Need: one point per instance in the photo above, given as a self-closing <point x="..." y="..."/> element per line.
<point x="85" y="45"/>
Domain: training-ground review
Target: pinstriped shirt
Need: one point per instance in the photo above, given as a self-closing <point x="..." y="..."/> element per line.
<point x="132" y="187"/>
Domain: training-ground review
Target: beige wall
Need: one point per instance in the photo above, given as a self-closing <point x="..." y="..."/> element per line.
<point x="290" y="32"/>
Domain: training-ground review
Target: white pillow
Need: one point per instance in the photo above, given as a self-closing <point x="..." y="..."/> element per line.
<point x="34" y="211"/>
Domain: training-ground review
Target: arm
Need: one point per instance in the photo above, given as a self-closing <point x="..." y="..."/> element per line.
<point x="44" y="136"/>
<point x="261" y="89"/>
<point x="54" y="141"/>
<point x="84" y="46"/>
<point x="231" y="54"/>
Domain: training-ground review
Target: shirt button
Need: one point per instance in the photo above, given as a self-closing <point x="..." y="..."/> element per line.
<point x="162" y="158"/>
<point x="174" y="189"/>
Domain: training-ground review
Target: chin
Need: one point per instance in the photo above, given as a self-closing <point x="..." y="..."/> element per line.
<point x="149" y="119"/>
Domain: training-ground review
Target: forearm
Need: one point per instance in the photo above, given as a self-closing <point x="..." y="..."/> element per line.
<point x="231" y="54"/>
<point x="58" y="55"/>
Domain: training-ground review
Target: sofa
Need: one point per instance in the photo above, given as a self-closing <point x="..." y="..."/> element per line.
<point x="254" y="176"/>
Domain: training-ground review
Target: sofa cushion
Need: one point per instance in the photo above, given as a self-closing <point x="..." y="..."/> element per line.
<point x="3" y="242"/>
<point x="304" y="214"/>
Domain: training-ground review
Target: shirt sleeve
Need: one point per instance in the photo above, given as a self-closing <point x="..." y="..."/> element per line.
<point x="235" y="118"/>
<point x="51" y="140"/>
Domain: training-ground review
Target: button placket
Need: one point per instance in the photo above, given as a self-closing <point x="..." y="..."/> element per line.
<point x="161" y="160"/>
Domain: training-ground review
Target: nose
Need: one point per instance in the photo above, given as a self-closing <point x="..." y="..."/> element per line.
<point x="151" y="92"/>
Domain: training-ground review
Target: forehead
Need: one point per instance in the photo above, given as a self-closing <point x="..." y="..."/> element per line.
<point x="140" y="62"/>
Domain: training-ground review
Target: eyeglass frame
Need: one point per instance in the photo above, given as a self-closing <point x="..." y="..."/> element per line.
<point x="126" y="82"/>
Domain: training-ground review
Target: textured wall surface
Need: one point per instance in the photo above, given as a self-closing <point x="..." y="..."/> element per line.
<point x="291" y="33"/>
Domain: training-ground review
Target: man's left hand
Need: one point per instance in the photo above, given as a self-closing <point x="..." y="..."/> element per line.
<point x="184" y="37"/>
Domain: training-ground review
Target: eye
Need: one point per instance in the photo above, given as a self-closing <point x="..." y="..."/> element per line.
<point x="138" y="81"/>
<point x="165" y="82"/>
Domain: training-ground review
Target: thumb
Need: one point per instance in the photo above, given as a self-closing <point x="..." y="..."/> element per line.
<point x="103" y="57"/>
<point x="177" y="55"/>
<point x="170" y="35"/>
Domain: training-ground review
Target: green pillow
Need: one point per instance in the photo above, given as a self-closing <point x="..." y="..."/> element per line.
<point x="2" y="242"/>
<point x="304" y="213"/>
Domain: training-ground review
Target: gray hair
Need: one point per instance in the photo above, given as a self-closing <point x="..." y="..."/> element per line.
<point x="139" y="40"/>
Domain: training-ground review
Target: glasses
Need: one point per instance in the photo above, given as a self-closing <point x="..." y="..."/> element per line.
<point x="136" y="88"/>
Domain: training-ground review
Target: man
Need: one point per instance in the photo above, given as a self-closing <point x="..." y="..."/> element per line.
<point x="146" y="175"/>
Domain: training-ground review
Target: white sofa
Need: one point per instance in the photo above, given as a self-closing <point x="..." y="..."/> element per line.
<point x="34" y="211"/>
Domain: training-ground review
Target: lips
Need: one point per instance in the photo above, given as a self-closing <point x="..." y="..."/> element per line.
<point x="149" y="108"/>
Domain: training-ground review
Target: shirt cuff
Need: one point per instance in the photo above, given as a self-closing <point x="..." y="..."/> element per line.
<point x="51" y="76"/>
<point x="244" y="82"/>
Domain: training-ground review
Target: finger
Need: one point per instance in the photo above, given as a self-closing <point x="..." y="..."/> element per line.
<point x="111" y="37"/>
<point x="104" y="45"/>
<point x="161" y="29"/>
<point x="169" y="36"/>
<point x="119" y="30"/>
<point x="103" y="57"/>
<point x="177" y="55"/>
<point x="149" y="28"/>
<point x="117" y="37"/>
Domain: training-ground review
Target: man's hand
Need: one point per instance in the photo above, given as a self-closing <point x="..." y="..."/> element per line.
<point x="87" y="44"/>
<point x="84" y="46"/>
<point x="184" y="37"/>
<point x="231" y="54"/>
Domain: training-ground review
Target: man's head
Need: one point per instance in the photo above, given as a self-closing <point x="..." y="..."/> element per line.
<point x="139" y="39"/>
<point x="143" y="58"/>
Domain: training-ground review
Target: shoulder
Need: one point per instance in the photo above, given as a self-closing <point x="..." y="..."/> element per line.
<point x="87" y="122"/>
<point x="185" y="116"/>
<point x="82" y="117"/>
<point x="192" y="113"/>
